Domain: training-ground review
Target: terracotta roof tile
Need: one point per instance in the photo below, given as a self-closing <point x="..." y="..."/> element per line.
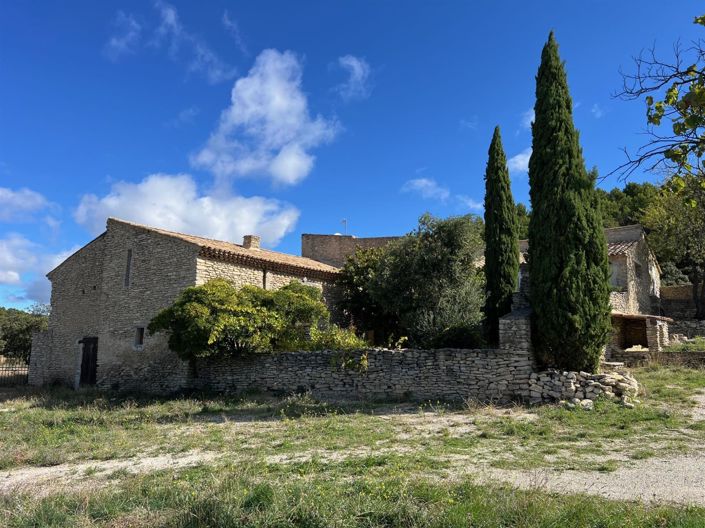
<point x="229" y="251"/>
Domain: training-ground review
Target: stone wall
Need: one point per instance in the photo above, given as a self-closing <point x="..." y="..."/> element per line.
<point x="687" y="359"/>
<point x="445" y="374"/>
<point x="334" y="249"/>
<point x="76" y="297"/>
<point x="441" y="374"/>
<point x="677" y="301"/>
<point x="687" y="327"/>
<point x="577" y="387"/>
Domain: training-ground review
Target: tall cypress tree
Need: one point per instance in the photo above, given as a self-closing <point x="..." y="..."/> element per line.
<point x="501" y="244"/>
<point x="568" y="261"/>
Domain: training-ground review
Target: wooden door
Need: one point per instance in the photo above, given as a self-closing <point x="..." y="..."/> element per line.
<point x="89" y="362"/>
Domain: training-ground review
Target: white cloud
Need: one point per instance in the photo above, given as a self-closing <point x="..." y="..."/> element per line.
<point x="520" y="162"/>
<point x="267" y="129"/>
<point x="527" y="118"/>
<point x="173" y="202"/>
<point x="597" y="111"/>
<point x="126" y="38"/>
<point x="19" y="204"/>
<point x="358" y="84"/>
<point x="234" y="29"/>
<point x="427" y="188"/>
<point x="24" y="264"/>
<point x="471" y="204"/>
<point x="190" y="47"/>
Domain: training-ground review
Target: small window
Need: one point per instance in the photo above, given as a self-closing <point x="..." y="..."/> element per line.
<point x="128" y="268"/>
<point x="139" y="337"/>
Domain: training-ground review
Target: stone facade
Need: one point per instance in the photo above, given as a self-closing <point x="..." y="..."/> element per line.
<point x="111" y="288"/>
<point x="335" y="249"/>
<point x="677" y="301"/>
<point x="445" y="374"/>
<point x="688" y="327"/>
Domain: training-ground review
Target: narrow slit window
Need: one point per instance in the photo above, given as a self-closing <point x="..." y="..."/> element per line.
<point x="139" y="336"/>
<point x="128" y="268"/>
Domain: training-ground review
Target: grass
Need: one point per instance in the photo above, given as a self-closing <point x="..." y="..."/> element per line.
<point x="298" y="462"/>
<point x="234" y="496"/>
<point x="697" y="344"/>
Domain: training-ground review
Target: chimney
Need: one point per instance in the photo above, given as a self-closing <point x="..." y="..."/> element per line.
<point x="250" y="241"/>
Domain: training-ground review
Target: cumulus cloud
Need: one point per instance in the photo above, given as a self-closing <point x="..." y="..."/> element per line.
<point x="173" y="202"/>
<point x="427" y="188"/>
<point x="358" y="84"/>
<point x="24" y="264"/>
<point x="267" y="129"/>
<point x="126" y="37"/>
<point x="184" y="45"/>
<point x="16" y="205"/>
<point x="520" y="162"/>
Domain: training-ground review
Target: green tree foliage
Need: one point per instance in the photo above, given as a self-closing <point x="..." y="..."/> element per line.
<point x="358" y="280"/>
<point x="501" y="238"/>
<point x="677" y="230"/>
<point x="621" y="207"/>
<point x="215" y="319"/>
<point x="219" y="319"/>
<point x="424" y="286"/>
<point x="674" y="93"/>
<point x="567" y="248"/>
<point x="523" y="217"/>
<point x="16" y="328"/>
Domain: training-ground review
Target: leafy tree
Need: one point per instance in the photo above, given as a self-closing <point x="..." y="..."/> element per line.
<point x="626" y="206"/>
<point x="674" y="93"/>
<point x="567" y="247"/>
<point x="421" y="286"/>
<point x="215" y="319"/>
<point x="357" y="281"/>
<point x="300" y="308"/>
<point x="501" y="238"/>
<point x="16" y="329"/>
<point x="672" y="276"/>
<point x="219" y="319"/>
<point x="523" y="216"/>
<point x="677" y="230"/>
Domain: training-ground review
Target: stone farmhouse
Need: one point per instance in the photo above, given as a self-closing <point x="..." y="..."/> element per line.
<point x="104" y="295"/>
<point x="635" y="280"/>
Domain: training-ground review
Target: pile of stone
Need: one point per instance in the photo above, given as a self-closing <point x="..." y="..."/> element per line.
<point x="581" y="388"/>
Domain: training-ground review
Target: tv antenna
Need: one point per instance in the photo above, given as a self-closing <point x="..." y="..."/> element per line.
<point x="344" y="221"/>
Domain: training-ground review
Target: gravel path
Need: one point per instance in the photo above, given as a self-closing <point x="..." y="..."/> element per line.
<point x="678" y="480"/>
<point x="71" y="477"/>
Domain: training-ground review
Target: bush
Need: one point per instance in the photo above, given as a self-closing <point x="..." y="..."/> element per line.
<point x="419" y="286"/>
<point x="16" y="328"/>
<point x="219" y="319"/>
<point x="335" y="338"/>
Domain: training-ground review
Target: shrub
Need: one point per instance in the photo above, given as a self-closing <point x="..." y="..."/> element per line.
<point x="219" y="319"/>
<point x="419" y="286"/>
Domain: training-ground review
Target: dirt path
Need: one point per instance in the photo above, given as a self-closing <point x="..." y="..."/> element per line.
<point x="678" y="480"/>
<point x="74" y="477"/>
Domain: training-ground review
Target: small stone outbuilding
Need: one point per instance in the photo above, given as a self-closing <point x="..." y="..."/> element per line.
<point x="104" y="296"/>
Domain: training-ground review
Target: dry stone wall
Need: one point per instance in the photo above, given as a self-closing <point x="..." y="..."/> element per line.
<point x="441" y="374"/>
<point x="580" y="388"/>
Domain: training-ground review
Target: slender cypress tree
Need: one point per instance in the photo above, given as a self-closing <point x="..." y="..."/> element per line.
<point x="501" y="244"/>
<point x="567" y="249"/>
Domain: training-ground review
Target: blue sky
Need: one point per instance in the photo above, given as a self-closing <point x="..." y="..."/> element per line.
<point x="280" y="118"/>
